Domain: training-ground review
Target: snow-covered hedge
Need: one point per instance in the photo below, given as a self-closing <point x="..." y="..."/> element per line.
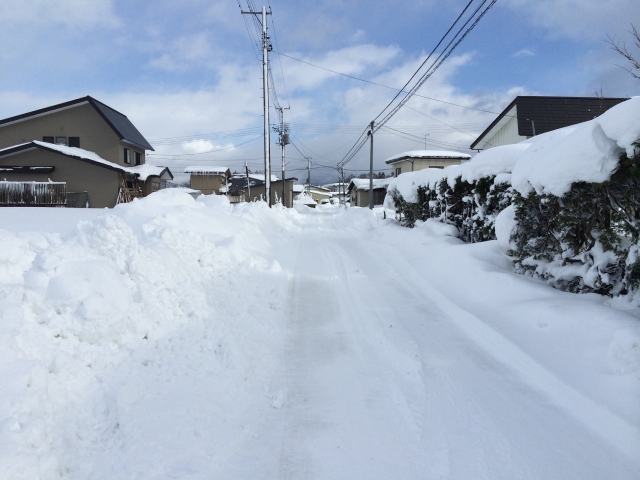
<point x="575" y="191"/>
<point x="468" y="196"/>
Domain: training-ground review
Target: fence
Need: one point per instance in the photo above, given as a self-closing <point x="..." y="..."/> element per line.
<point x="33" y="194"/>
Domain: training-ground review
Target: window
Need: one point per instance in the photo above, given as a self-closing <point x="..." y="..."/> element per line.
<point x="74" y="142"/>
<point x="138" y="158"/>
<point x="61" y="140"/>
<point x="435" y="166"/>
<point x="127" y="155"/>
<point x="398" y="171"/>
<point x="47" y="139"/>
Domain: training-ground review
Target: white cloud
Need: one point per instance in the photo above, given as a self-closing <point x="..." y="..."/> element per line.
<point x="350" y="60"/>
<point x="580" y="19"/>
<point x="525" y="52"/>
<point x="184" y="52"/>
<point x="74" y="14"/>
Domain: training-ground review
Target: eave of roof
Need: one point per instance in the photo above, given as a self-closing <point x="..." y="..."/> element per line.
<point x="494" y="123"/>
<point x="537" y="108"/>
<point x="124" y="129"/>
<point x="39" y="145"/>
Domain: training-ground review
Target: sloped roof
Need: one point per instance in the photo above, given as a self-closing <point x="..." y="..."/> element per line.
<point x="118" y="122"/>
<point x="548" y="113"/>
<point x="436" y="154"/>
<point x="203" y="169"/>
<point x="73" y="152"/>
<point x="363" y="183"/>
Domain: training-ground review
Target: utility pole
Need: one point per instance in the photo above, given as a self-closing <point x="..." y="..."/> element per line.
<point x="246" y="169"/>
<point x="266" y="48"/>
<point x="371" y="169"/>
<point x="309" y="175"/>
<point x="344" y="192"/>
<point x="284" y="140"/>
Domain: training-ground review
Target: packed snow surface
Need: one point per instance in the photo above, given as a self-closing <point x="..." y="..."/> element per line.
<point x="181" y="338"/>
<point x="547" y="163"/>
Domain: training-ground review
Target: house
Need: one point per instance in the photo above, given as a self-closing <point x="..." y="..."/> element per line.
<point x="319" y="193"/>
<point x="359" y="191"/>
<point x="527" y="116"/>
<point x="420" y="159"/>
<point x="94" y="150"/>
<point x="209" y="180"/>
<point x="258" y="190"/>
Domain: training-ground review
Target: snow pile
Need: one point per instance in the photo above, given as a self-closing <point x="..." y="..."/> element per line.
<point x="303" y="199"/>
<point x="113" y="302"/>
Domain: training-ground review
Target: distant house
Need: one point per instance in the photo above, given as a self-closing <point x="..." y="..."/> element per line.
<point x="258" y="191"/>
<point x="239" y="191"/>
<point x="420" y="159"/>
<point x="527" y="116"/>
<point x="92" y="149"/>
<point x="359" y="191"/>
<point x="208" y="179"/>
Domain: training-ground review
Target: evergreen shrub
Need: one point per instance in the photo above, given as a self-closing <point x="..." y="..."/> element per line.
<point x="471" y="207"/>
<point x="587" y="240"/>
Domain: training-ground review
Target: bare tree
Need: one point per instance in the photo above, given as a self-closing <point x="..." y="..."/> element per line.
<point x="621" y="48"/>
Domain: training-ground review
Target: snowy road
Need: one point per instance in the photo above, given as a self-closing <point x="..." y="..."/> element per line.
<point x="381" y="382"/>
<point x="289" y="345"/>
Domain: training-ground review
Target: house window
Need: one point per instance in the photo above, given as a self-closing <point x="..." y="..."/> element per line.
<point x="138" y="158"/>
<point x="74" y="142"/>
<point x="398" y="171"/>
<point x="435" y="166"/>
<point x="61" y="140"/>
<point x="127" y="155"/>
<point x="47" y="139"/>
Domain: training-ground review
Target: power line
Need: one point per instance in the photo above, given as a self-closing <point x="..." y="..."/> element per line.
<point x="386" y="86"/>
<point x="451" y="46"/>
<point x="209" y="151"/>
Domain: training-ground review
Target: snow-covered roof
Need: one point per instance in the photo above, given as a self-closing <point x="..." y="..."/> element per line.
<point x="146" y="170"/>
<point x="363" y="183"/>
<point x="298" y="188"/>
<point x="206" y="170"/>
<point x="142" y="171"/>
<point x="427" y="154"/>
<point x="75" y="152"/>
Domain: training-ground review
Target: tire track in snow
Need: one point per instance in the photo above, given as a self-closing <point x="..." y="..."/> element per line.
<point x="622" y="436"/>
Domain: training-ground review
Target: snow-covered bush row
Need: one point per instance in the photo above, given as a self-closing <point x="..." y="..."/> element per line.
<point x="468" y="196"/>
<point x="576" y="202"/>
<point x="586" y="240"/>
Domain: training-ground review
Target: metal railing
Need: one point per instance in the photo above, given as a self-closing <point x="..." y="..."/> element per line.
<point x="33" y="194"/>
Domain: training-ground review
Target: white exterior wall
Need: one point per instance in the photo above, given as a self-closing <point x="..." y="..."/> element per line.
<point x="507" y="135"/>
<point x="422" y="163"/>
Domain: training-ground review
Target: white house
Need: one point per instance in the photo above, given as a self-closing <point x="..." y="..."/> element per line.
<point x="415" y="160"/>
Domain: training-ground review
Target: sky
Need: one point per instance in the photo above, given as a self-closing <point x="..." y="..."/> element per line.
<point x="188" y="74"/>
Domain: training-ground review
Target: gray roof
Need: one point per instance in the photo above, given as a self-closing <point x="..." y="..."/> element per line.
<point x="118" y="122"/>
<point x="551" y="113"/>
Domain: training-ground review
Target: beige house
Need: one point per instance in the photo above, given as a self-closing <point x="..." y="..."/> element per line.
<point x="258" y="191"/>
<point x="420" y="159"/>
<point x="209" y="180"/>
<point x="319" y="193"/>
<point x="359" y="191"/>
<point x="93" y="149"/>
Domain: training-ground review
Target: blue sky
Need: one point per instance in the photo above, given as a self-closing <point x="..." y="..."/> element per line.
<point x="187" y="69"/>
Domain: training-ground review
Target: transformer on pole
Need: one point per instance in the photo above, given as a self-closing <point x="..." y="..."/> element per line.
<point x="266" y="48"/>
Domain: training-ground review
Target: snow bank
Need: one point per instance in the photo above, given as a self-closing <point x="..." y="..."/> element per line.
<point x="92" y="319"/>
